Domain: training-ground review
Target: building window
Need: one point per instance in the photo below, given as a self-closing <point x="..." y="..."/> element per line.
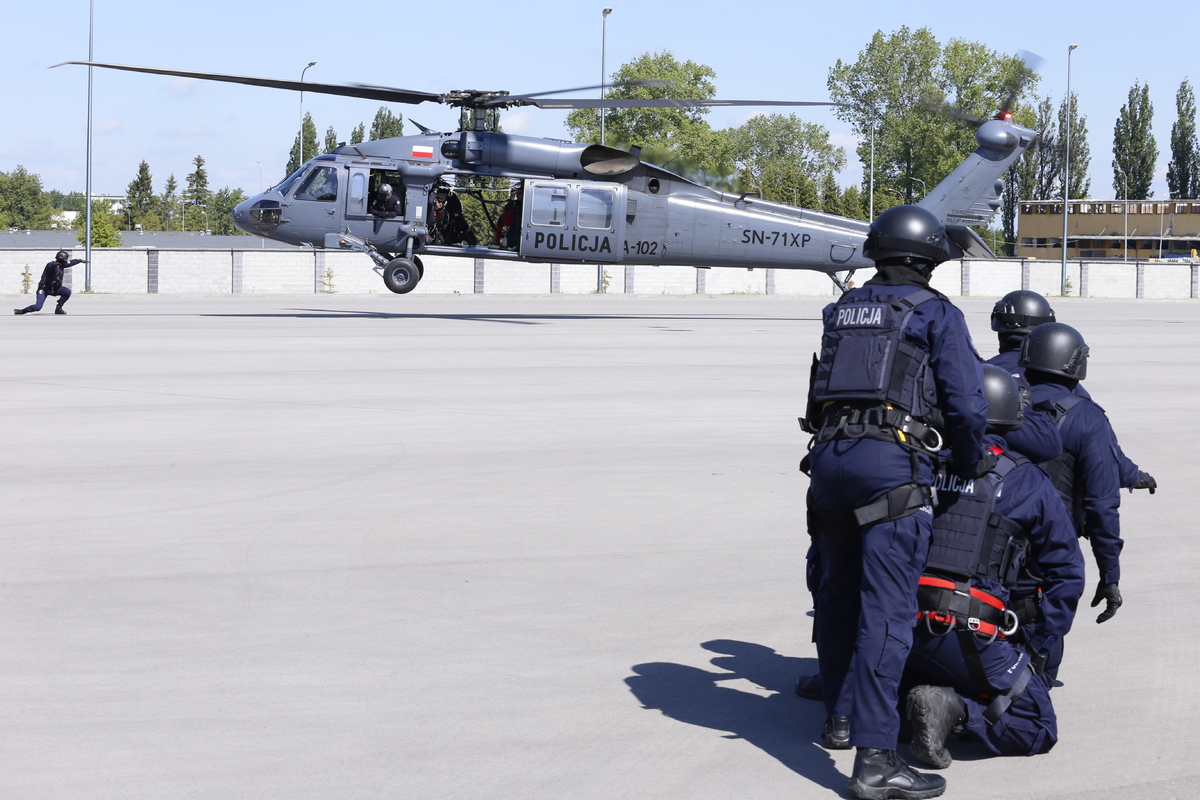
<point x="1085" y="208"/>
<point x="1027" y="208"/>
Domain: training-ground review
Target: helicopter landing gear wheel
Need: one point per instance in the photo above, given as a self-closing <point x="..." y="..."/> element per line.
<point x="401" y="275"/>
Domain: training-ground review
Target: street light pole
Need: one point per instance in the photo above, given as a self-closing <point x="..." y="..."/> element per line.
<point x="603" y="71"/>
<point x="300" y="161"/>
<point x="87" y="242"/>
<point x="871" y="213"/>
<point x="1070" y="106"/>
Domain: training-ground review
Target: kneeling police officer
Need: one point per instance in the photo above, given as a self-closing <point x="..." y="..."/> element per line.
<point x="896" y="380"/>
<point x="51" y="283"/>
<point x="975" y="680"/>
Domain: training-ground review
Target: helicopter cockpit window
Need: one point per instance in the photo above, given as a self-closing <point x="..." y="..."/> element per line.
<point x="549" y="205"/>
<point x="596" y="208"/>
<point x="321" y="185"/>
<point x="286" y="186"/>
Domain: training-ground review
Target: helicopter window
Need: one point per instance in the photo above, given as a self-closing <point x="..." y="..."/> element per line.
<point x="286" y="186"/>
<point x="321" y="185"/>
<point x="549" y="205"/>
<point x="358" y="192"/>
<point x="596" y="208"/>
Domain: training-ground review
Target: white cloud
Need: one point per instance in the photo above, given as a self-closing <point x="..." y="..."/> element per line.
<point x="182" y="85"/>
<point x="518" y="122"/>
<point x="106" y="125"/>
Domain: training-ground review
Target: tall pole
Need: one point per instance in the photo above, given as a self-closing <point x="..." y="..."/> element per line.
<point x="300" y="161"/>
<point x="87" y="247"/>
<point x="871" y="213"/>
<point x="603" y="71"/>
<point x="1070" y="107"/>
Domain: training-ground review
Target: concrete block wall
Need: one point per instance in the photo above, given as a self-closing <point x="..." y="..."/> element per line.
<point x="1167" y="281"/>
<point x="504" y="277"/>
<point x="115" y="271"/>
<point x="736" y="281"/>
<point x="665" y="280"/>
<point x="193" y="272"/>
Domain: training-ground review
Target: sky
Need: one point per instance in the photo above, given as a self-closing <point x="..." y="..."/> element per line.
<point x="759" y="50"/>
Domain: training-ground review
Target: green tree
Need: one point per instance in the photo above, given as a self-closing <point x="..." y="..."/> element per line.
<point x="75" y="201"/>
<point x="777" y="138"/>
<point x="852" y="203"/>
<point x="357" y="135"/>
<point x="23" y="204"/>
<point x="680" y="130"/>
<point x="831" y="195"/>
<point x="386" y="125"/>
<point x="223" y="201"/>
<point x="196" y="196"/>
<point x="1081" y="154"/>
<point x="895" y="91"/>
<point x="139" y="195"/>
<point x="168" y="205"/>
<point x="1135" y="152"/>
<point x="104" y="226"/>
<point x="1183" y="173"/>
<point x="331" y="140"/>
<point x="309" y="131"/>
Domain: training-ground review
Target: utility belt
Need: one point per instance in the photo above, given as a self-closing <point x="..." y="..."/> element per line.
<point x="895" y="504"/>
<point x="959" y="606"/>
<point x="847" y="420"/>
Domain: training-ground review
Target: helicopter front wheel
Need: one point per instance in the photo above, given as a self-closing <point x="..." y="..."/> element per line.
<point x="401" y="275"/>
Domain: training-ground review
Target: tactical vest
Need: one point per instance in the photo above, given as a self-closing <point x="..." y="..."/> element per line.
<point x="1062" y="468"/>
<point x="970" y="540"/>
<point x="865" y="357"/>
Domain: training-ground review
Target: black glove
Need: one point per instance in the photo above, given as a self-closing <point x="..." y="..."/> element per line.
<point x="1146" y="481"/>
<point x="1038" y="662"/>
<point x="1109" y="592"/>
<point x="985" y="465"/>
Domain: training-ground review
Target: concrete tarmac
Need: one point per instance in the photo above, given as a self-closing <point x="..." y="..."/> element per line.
<point x="482" y="547"/>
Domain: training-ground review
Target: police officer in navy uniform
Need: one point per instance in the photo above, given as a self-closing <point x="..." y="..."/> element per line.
<point x="897" y="379"/>
<point x="1087" y="473"/>
<point x="1013" y="317"/>
<point x="975" y="680"/>
<point x="51" y="283"/>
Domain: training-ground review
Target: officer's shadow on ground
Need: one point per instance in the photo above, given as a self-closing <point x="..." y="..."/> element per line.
<point x="780" y="723"/>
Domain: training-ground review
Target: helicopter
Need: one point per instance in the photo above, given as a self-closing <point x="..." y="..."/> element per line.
<point x="573" y="202"/>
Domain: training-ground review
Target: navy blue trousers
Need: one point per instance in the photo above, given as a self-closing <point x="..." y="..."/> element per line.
<point x="64" y="294"/>
<point x="1027" y="728"/>
<point x="867" y="594"/>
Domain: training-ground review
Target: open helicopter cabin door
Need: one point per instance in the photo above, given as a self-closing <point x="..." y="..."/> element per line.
<point x="570" y="221"/>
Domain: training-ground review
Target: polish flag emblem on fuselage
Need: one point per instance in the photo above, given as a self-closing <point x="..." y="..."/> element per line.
<point x="422" y="152"/>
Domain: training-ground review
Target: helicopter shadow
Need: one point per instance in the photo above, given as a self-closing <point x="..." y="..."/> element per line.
<point x="511" y="319"/>
<point x="780" y="724"/>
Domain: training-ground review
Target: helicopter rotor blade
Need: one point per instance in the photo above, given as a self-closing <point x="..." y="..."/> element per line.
<point x="666" y="103"/>
<point x="617" y="85"/>
<point x="363" y="91"/>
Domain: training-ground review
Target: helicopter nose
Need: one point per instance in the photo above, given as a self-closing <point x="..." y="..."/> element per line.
<point x="257" y="216"/>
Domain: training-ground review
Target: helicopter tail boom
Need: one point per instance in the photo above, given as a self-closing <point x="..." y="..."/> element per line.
<point x="970" y="195"/>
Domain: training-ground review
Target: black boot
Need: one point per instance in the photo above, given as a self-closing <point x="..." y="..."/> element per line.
<point x="836" y="733"/>
<point x="20" y="311"/>
<point x="881" y="775"/>
<point x="809" y="687"/>
<point x="934" y="711"/>
<point x="59" y="310"/>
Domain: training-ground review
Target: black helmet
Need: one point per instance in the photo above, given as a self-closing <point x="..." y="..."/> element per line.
<point x="909" y="233"/>
<point x="62" y="256"/>
<point x="1020" y="312"/>
<point x="1056" y="349"/>
<point x="1003" y="398"/>
<point x="385" y="189"/>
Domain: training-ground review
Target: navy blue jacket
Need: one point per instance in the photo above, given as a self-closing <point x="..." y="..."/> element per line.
<point x="52" y="275"/>
<point x="1009" y="358"/>
<point x="1088" y="436"/>
<point x="1030" y="499"/>
<point x="957" y="368"/>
